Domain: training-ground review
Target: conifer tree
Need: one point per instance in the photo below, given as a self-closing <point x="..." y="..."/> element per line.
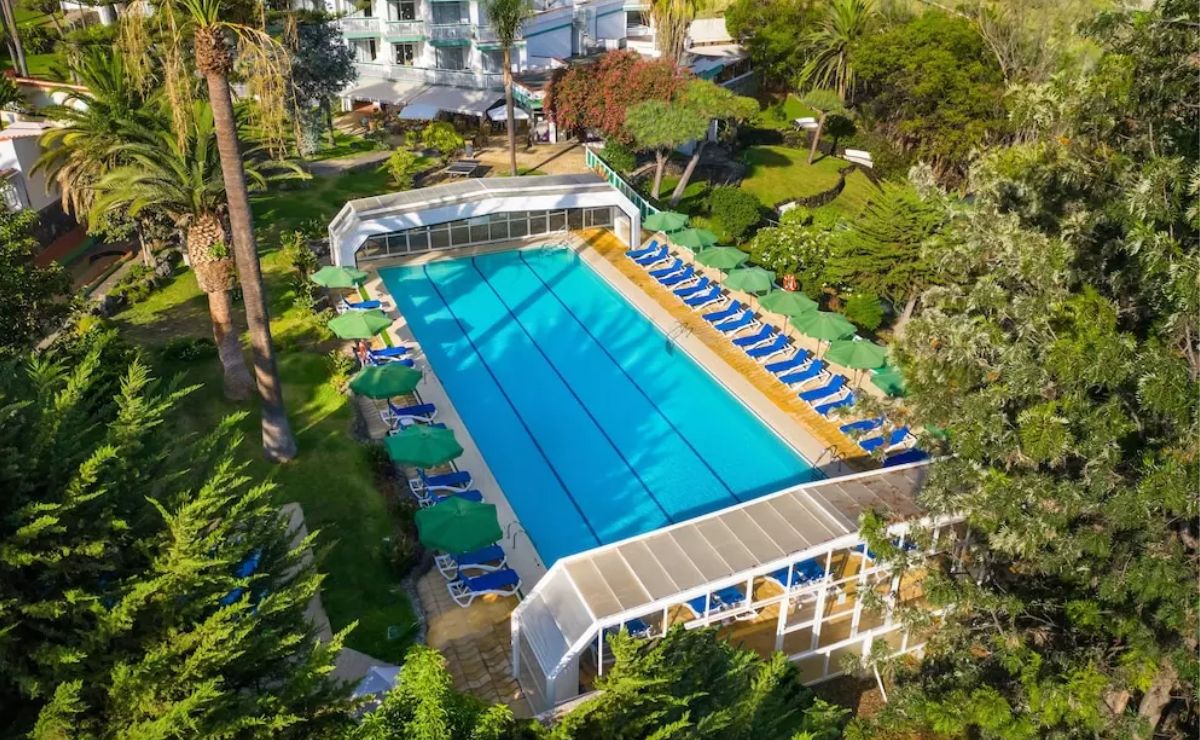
<point x="148" y="587"/>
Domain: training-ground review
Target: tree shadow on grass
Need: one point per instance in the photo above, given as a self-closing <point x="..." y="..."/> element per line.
<point x="761" y="157"/>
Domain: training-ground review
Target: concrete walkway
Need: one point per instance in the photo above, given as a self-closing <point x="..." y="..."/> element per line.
<point x="339" y="165"/>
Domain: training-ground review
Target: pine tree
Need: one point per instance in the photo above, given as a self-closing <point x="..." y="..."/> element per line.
<point x="148" y="588"/>
<point x="884" y="250"/>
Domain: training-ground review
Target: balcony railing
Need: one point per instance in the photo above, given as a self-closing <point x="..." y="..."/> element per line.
<point x="406" y="29"/>
<point x="359" y="24"/>
<point x="449" y="32"/>
<point x="451" y="77"/>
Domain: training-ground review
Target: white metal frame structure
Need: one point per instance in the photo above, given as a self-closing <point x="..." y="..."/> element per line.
<point x="651" y="576"/>
<point x="363" y="218"/>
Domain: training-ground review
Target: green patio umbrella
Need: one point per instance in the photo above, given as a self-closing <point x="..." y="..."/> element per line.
<point x="333" y="276"/>
<point x="889" y="380"/>
<point x="458" y="525"/>
<point x="750" y="280"/>
<point x="694" y="239"/>
<point x="385" y="381"/>
<point x="667" y="221"/>
<point x="721" y="258"/>
<point x="788" y="303"/>
<point x="359" y="324"/>
<point x="423" y="446"/>
<point x="823" y="325"/>
<point x="858" y="354"/>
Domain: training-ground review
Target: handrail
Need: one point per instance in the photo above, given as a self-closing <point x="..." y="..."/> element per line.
<point x="602" y="168"/>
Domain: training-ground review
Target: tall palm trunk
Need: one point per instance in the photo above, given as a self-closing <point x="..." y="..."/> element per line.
<point x="214" y="60"/>
<point x="508" y="108"/>
<point x="812" y="153"/>
<point x="660" y="165"/>
<point x="686" y="177"/>
<point x="215" y="275"/>
<point x="14" y="37"/>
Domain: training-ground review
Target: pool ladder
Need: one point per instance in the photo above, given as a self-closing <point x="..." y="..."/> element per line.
<point x="680" y="329"/>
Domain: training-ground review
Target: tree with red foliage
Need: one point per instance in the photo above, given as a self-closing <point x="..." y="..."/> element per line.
<point x="596" y="96"/>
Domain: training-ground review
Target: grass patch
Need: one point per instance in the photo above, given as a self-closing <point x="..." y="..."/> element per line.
<point x="344" y="145"/>
<point x="779" y="116"/>
<point x="309" y="204"/>
<point x="779" y="173"/>
<point x="853" y="198"/>
<point x="332" y="478"/>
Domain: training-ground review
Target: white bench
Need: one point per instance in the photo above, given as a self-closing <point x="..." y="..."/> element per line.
<point x="805" y="123"/>
<point x="859" y="156"/>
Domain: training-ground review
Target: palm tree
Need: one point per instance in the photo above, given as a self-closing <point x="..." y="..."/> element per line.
<point x="93" y="125"/>
<point x="182" y="178"/>
<point x="824" y="102"/>
<point x="214" y="60"/>
<point x="13" y="37"/>
<point x="506" y="17"/>
<point x="671" y="21"/>
<point x="845" y="22"/>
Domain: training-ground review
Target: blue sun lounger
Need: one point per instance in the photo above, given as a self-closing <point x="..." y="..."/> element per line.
<point x="903" y="458"/>
<point x="728" y="312"/>
<point x="642" y="251"/>
<point x="796" y="361"/>
<point x="694" y="288"/>
<point x="458" y="480"/>
<point x="815" y="368"/>
<point x="835" y="384"/>
<point x="750" y="340"/>
<point x="635" y="627"/>
<point x="485" y="559"/>
<point x="670" y="269"/>
<point x="688" y="273"/>
<point x="723" y="600"/>
<point x="419" y="412"/>
<point x="384" y="354"/>
<point x="769" y="349"/>
<point x="654" y="257"/>
<point x="503" y="582"/>
<point x="803" y="574"/>
<point x="344" y="305"/>
<point x="862" y="425"/>
<point x="886" y="442"/>
<point x="745" y="321"/>
<point x="700" y="300"/>
<point x="825" y="408"/>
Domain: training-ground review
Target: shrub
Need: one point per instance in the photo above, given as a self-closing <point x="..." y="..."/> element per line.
<point x="189" y="349"/>
<point x="865" y="310"/>
<point x="297" y="254"/>
<point x="442" y="136"/>
<point x="403" y="166"/>
<point x="620" y="157"/>
<point x="136" y="285"/>
<point x="341" y="364"/>
<point x="403" y="552"/>
<point x="734" y="210"/>
<point x="38" y="38"/>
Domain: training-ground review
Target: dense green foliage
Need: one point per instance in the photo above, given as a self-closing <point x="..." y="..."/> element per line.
<point x="883" y="250"/>
<point x="734" y="210"/>
<point x="865" y="310"/>
<point x="934" y="87"/>
<point x="772" y="31"/>
<point x="322" y="66"/>
<point x="443" y="137"/>
<point x="1060" y="353"/>
<point x="691" y="684"/>
<point x="30" y="296"/>
<point x="618" y="156"/>
<point x="798" y="246"/>
<point x="122" y="611"/>
<point x="404" y="165"/>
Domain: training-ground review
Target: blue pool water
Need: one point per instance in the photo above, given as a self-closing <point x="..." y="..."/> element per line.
<point x="595" y="426"/>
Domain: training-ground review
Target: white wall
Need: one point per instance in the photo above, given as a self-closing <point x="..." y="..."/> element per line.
<point x="21" y="154"/>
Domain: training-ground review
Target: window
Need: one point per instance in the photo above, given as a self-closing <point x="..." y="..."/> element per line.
<point x="364" y="49"/>
<point x="537" y="222"/>
<point x="493" y="61"/>
<point x="404" y="54"/>
<point x="449" y="13"/>
<point x="402" y="10"/>
<point x="451" y="57"/>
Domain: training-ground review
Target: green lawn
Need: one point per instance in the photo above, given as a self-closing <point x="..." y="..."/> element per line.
<point x="332" y="477"/>
<point x="779" y="173"/>
<point x="854" y="196"/>
<point x="344" y="145"/>
<point x="310" y="204"/>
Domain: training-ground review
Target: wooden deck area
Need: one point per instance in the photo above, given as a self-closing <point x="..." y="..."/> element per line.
<point x="611" y="248"/>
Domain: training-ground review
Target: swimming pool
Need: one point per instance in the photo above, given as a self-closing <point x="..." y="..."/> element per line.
<point x="596" y="427"/>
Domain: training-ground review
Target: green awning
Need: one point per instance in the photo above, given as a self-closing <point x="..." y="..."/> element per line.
<point x="360" y="34"/>
<point x="444" y="43"/>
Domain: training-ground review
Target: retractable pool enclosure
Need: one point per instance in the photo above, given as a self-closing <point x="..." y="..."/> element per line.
<point x="795" y="558"/>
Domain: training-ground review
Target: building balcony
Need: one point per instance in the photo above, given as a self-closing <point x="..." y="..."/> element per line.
<point x="486" y="34"/>
<point x="414" y="29"/>
<point x="450" y="77"/>
<point x="449" y="33"/>
<point x="359" y="24"/>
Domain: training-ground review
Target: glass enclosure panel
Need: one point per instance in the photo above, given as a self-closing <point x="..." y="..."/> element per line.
<point x="461" y="233"/>
<point x="372" y="248"/>
<point x="498" y="230"/>
<point x="449" y="12"/>
<point x="479" y="229"/>
<point x="575" y="218"/>
<point x="518" y="226"/>
<point x="558" y="221"/>
<point x="439" y="237"/>
<point x="537" y="222"/>
<point x="834" y="630"/>
<point x="418" y="239"/>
